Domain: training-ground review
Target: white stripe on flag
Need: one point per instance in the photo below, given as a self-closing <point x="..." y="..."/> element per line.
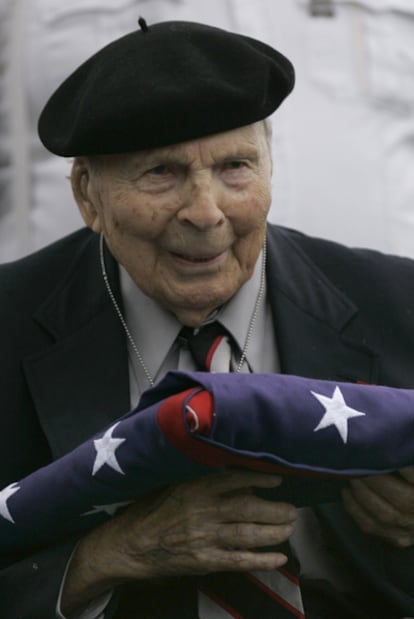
<point x="208" y="609"/>
<point x="282" y="586"/>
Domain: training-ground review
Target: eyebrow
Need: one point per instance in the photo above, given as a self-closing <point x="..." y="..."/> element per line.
<point x="183" y="159"/>
<point x="252" y="154"/>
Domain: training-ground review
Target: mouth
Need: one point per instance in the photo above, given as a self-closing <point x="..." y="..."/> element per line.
<point x="199" y="260"/>
<point x="195" y="259"/>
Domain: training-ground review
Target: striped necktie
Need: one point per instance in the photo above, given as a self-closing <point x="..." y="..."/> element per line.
<point x="255" y="595"/>
<point x="210" y="347"/>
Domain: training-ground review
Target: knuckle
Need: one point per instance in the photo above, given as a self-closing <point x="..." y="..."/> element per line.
<point x="406" y="521"/>
<point x="246" y="506"/>
<point x="201" y="559"/>
<point x="223" y="537"/>
<point x="239" y="507"/>
<point x="243" y="564"/>
<point x="240" y="533"/>
<point x="246" y="535"/>
<point x="404" y="542"/>
<point x="396" y="519"/>
<point x="389" y="517"/>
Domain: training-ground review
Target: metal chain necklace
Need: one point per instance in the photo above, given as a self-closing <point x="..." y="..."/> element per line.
<point x="131" y="340"/>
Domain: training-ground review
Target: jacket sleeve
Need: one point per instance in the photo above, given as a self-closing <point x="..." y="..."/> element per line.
<point x="387" y="570"/>
<point x="29" y="588"/>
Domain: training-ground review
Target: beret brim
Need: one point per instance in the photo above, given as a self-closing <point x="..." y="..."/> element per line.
<point x="167" y="84"/>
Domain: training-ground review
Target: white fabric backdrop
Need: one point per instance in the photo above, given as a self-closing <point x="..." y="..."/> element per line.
<point x="343" y="141"/>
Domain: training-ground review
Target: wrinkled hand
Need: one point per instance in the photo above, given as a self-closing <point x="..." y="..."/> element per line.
<point x="208" y="525"/>
<point x="384" y="506"/>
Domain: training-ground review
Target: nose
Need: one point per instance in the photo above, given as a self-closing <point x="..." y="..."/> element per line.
<point x="201" y="208"/>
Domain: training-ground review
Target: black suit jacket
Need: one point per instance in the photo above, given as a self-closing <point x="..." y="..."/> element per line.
<point x="340" y="314"/>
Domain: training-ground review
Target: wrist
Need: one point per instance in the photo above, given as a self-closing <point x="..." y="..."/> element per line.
<point x="88" y="576"/>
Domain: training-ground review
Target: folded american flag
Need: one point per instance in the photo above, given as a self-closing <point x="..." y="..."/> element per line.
<point x="316" y="433"/>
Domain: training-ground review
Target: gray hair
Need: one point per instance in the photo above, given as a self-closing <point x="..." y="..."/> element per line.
<point x="268" y="129"/>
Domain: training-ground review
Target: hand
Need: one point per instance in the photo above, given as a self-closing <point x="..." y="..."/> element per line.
<point x="212" y="524"/>
<point x="208" y="525"/>
<point x="384" y="506"/>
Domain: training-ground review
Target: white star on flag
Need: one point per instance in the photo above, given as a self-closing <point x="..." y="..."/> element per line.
<point x="337" y="413"/>
<point x="105" y="451"/>
<point x="5" y="494"/>
<point x="107" y="509"/>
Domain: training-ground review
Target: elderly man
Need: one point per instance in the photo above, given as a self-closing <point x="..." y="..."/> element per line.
<point x="172" y="176"/>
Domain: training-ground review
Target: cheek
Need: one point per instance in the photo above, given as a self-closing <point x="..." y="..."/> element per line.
<point x="250" y="228"/>
<point x="250" y="216"/>
<point x="263" y="196"/>
<point x="135" y="219"/>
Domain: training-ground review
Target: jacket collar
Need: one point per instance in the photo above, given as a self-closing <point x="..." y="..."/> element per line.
<point x="312" y="317"/>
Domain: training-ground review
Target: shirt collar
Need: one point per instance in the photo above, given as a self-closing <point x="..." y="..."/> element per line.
<point x="152" y="327"/>
<point x="236" y="315"/>
<point x="155" y="330"/>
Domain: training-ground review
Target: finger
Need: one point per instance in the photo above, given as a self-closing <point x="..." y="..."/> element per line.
<point x="221" y="485"/>
<point x="250" y="508"/>
<point x="368" y="524"/>
<point x="248" y="535"/>
<point x="208" y="524"/>
<point x="375" y="500"/>
<point x="240" y="561"/>
<point x="394" y="489"/>
<point x="230" y="481"/>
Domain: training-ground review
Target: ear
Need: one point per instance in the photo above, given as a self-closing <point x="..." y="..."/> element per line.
<point x="84" y="191"/>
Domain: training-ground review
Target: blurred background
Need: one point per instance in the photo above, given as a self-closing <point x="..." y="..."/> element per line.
<point x="343" y="142"/>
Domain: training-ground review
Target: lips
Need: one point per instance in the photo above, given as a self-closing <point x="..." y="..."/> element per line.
<point x="203" y="260"/>
<point x="196" y="259"/>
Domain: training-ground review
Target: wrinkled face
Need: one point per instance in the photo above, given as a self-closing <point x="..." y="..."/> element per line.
<point x="186" y="221"/>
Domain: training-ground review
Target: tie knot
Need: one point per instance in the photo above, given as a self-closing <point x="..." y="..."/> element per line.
<point x="210" y="346"/>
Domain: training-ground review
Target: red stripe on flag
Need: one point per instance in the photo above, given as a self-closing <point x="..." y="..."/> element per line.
<point x="219" y="602"/>
<point x="275" y="596"/>
<point x="173" y="423"/>
<point x="288" y="575"/>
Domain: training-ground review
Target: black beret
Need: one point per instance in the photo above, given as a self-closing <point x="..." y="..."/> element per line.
<point x="164" y="84"/>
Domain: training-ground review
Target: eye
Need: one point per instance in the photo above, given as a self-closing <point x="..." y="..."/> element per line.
<point x="158" y="178"/>
<point x="236" y="172"/>
<point x="235" y="165"/>
<point x="159" y="170"/>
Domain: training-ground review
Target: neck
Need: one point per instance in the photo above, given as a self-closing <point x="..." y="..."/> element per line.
<point x="194" y="318"/>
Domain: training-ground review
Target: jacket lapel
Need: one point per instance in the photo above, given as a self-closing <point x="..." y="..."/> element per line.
<point x="76" y="395"/>
<point x="311" y="318"/>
